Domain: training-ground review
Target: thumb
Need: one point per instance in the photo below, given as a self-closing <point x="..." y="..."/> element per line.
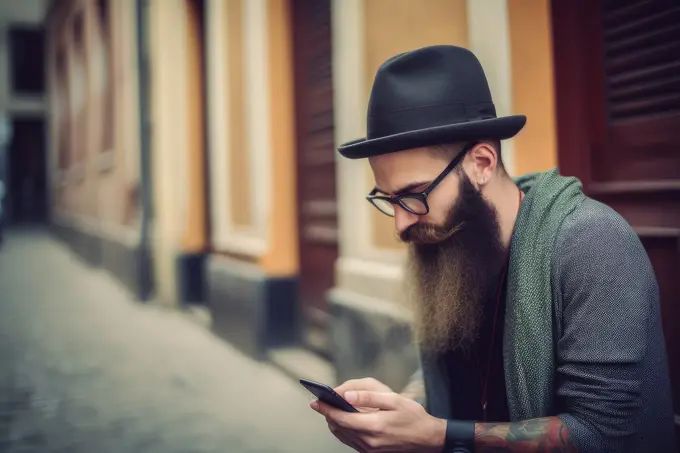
<point x="377" y="400"/>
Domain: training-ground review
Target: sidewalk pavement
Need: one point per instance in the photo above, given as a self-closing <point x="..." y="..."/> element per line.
<point x="84" y="368"/>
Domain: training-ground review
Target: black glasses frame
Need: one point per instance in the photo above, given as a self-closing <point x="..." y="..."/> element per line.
<point x="419" y="196"/>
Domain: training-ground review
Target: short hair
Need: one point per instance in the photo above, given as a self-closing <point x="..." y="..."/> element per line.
<point x="450" y="150"/>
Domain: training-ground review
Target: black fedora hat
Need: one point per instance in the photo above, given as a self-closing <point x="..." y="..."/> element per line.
<point x="430" y="96"/>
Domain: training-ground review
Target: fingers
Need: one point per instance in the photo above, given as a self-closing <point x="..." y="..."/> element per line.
<point x="359" y="422"/>
<point x="377" y="400"/>
<point x="366" y="409"/>
<point x="369" y="384"/>
<point x="337" y="416"/>
<point x="361" y="442"/>
<point x="347" y="437"/>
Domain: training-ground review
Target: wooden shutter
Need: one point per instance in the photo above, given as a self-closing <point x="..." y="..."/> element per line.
<point x="641" y="47"/>
<point x="316" y="162"/>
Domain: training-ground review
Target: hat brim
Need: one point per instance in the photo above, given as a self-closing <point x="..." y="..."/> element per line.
<point x="500" y="128"/>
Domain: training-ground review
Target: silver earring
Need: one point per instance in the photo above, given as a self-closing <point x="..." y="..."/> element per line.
<point x="483" y="179"/>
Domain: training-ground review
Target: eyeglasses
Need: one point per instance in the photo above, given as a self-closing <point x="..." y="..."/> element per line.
<point x="415" y="202"/>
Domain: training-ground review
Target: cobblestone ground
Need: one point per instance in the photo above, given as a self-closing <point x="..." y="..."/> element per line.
<point x="83" y="368"/>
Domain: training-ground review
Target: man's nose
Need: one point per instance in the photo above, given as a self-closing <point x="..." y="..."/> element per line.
<point x="403" y="219"/>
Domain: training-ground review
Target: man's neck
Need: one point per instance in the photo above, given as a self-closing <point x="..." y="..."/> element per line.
<point x="506" y="199"/>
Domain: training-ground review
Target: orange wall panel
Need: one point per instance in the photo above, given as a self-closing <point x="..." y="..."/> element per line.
<point x="195" y="232"/>
<point x="240" y="192"/>
<point x="532" y="84"/>
<point x="282" y="255"/>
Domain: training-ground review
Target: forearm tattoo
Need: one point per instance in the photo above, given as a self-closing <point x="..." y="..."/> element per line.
<point x="528" y="436"/>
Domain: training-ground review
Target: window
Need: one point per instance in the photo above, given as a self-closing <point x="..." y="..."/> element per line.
<point x="27" y="61"/>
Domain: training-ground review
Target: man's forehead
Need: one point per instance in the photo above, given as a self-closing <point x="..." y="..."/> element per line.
<point x="406" y="154"/>
<point x="401" y="160"/>
<point x="404" y="171"/>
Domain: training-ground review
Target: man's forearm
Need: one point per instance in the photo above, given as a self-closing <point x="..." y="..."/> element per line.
<point x="527" y="436"/>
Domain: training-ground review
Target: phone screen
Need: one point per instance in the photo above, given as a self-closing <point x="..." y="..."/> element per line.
<point x="326" y="394"/>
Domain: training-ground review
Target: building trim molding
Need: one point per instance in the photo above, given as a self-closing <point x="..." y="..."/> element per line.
<point x="225" y="235"/>
<point x="258" y="111"/>
<point x="489" y="40"/>
<point x="181" y="167"/>
<point x="218" y="118"/>
<point x="349" y="99"/>
<point x="371" y="278"/>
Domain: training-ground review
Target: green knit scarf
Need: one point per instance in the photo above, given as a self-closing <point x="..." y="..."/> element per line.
<point x="528" y="346"/>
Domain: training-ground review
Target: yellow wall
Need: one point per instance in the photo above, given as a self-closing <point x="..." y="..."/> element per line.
<point x="239" y="163"/>
<point x="532" y="84"/>
<point x="194" y="239"/>
<point x="282" y="256"/>
<point x="394" y="26"/>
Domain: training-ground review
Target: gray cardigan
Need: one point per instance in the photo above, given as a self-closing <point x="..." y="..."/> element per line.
<point x="611" y="377"/>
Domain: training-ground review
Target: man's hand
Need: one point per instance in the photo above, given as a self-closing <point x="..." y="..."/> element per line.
<point x="365" y="384"/>
<point x="394" y="424"/>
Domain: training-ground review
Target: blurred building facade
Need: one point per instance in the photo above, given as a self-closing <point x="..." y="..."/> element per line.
<point x="193" y="149"/>
<point x="94" y="131"/>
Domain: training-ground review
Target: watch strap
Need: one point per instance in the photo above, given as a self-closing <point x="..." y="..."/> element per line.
<point x="460" y="436"/>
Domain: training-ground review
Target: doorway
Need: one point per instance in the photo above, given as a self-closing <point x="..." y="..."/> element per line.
<point x="26" y="181"/>
<point x="317" y="209"/>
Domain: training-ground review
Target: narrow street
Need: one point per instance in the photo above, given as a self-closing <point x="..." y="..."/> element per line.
<point x="83" y="368"/>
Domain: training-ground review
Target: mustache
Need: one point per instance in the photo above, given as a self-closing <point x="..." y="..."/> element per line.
<point x="428" y="233"/>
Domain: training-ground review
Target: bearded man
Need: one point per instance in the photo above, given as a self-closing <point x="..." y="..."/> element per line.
<point x="537" y="310"/>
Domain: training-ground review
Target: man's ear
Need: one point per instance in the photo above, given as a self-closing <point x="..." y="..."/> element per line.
<point x="482" y="162"/>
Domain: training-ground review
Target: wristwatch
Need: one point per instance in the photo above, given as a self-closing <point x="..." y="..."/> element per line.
<point x="460" y="436"/>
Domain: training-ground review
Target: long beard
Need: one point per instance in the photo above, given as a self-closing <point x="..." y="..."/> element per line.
<point x="454" y="269"/>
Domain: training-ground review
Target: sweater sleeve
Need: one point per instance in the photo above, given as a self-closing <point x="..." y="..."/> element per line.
<point x="608" y="288"/>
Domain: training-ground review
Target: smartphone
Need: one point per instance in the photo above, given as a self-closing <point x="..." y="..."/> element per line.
<point x="327" y="395"/>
